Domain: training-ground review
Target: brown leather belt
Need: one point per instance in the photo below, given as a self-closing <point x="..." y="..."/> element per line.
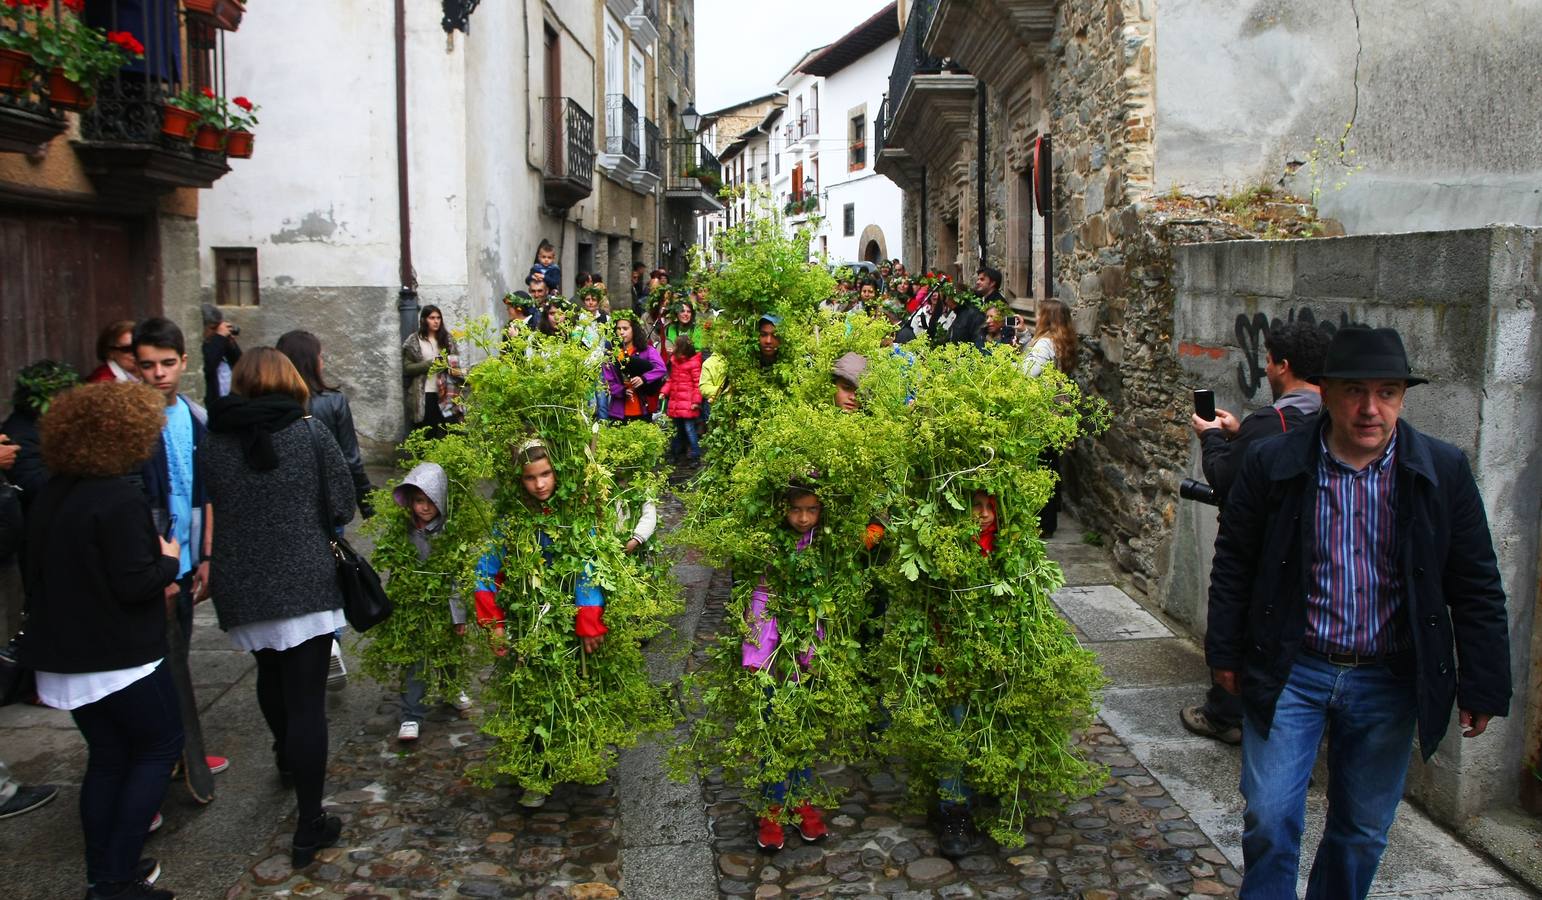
<point x="1355" y="660"/>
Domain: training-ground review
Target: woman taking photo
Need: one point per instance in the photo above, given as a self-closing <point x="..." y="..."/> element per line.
<point x="430" y="396"/>
<point x="97" y="573"/>
<point x="273" y="575"/>
<point x="1053" y="345"/>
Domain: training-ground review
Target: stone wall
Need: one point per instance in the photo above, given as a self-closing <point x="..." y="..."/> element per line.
<point x="1465" y="305"/>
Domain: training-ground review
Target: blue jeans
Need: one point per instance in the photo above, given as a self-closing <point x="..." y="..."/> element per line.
<point x="1369" y="713"/>
<point x="133" y="738"/>
<point x="685" y="439"/>
<point x="955" y="792"/>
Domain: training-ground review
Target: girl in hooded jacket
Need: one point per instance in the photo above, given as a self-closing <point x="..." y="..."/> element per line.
<point x="682" y="393"/>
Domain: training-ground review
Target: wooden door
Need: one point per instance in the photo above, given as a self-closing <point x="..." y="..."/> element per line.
<point x="65" y="276"/>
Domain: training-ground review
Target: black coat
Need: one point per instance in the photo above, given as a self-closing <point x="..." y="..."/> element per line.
<point x="968" y="327"/>
<point x="28" y="474"/>
<point x="1454" y="601"/>
<point x="1221" y="456"/>
<point x="95" y="578"/>
<point x="330" y="408"/>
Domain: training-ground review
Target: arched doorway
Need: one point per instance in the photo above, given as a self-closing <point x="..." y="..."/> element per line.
<point x="872" y="246"/>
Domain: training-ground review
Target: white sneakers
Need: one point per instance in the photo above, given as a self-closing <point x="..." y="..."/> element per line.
<point x="461" y="702"/>
<point x="408" y="731"/>
<point x="337" y="673"/>
<point x="533" y="800"/>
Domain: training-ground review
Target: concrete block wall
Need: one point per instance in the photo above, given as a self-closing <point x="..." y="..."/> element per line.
<point x="1465" y="305"/>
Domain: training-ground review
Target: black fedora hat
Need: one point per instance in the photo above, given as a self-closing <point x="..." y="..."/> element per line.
<point x="1358" y="353"/>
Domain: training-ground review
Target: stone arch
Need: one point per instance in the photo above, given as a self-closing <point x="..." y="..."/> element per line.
<point x="872" y="236"/>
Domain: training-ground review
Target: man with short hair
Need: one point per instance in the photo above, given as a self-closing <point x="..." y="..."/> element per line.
<point x="172" y="485"/>
<point x="1293" y="353"/>
<point x="987" y="286"/>
<point x="767" y="340"/>
<point x="1354" y="591"/>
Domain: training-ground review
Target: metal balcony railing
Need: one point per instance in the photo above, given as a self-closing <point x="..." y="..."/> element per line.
<point x="911" y="60"/>
<point x="808" y="123"/>
<point x="880" y="126"/>
<point x="650" y="9"/>
<point x="693" y="167"/>
<point x="569" y="140"/>
<point x="621" y="121"/>
<point x="654" y="161"/>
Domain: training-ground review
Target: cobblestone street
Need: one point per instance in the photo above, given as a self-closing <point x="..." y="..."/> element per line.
<point x="416" y="827"/>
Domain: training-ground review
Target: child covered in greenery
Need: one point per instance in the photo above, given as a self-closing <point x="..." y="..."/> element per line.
<point x="802" y="515"/>
<point x="419" y="643"/>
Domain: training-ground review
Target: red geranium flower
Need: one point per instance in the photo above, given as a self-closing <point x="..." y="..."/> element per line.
<point x="209" y="92"/>
<point x="127" y="41"/>
<point x="75" y="6"/>
<point x="243" y="103"/>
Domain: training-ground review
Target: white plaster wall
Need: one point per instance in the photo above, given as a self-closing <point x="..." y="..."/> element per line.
<point x="878" y="200"/>
<point x="436" y="115"/>
<point x="1442" y="95"/>
<point x="318" y="198"/>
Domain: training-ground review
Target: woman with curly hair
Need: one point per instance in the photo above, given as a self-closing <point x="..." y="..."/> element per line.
<point x="97" y="573"/>
<point x="266" y="465"/>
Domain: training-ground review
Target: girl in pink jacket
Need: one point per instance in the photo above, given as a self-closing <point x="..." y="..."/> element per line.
<point x="682" y="391"/>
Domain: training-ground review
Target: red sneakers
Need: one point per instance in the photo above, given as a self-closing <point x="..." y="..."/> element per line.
<point x="770" y="836"/>
<point x="811" y="825"/>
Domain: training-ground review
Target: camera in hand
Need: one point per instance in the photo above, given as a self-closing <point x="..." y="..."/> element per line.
<point x="1198" y="491"/>
<point x="235" y="330"/>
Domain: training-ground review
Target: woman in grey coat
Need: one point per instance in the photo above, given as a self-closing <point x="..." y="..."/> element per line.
<point x="273" y="575"/>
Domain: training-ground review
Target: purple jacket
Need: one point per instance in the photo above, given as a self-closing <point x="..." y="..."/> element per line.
<point x="765" y="634"/>
<point x="653" y="376"/>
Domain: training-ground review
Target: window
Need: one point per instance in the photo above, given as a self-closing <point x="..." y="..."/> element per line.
<point x="797" y="182"/>
<point x="856" y="156"/>
<point x="235" y="276"/>
<point x="849" y="220"/>
<point x="776" y="163"/>
<point x="765" y="171"/>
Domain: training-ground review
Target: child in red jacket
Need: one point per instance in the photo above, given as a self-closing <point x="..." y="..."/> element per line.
<point x="682" y="390"/>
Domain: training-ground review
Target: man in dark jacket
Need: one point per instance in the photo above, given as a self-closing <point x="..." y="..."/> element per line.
<point x="1354" y="590"/>
<point x="1293" y="352"/>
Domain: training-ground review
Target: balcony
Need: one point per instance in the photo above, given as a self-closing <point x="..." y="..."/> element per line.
<point x="622" y="154"/>
<point x="930" y="104"/>
<point x="651" y="172"/>
<point x="27" y="122"/>
<point x="568" y="174"/>
<point x="644" y="22"/>
<point x="695" y="177"/>
<point x="1001" y="41"/>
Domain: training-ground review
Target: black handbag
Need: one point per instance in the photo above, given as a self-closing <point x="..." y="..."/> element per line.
<point x="18" y="683"/>
<point x="365" y="603"/>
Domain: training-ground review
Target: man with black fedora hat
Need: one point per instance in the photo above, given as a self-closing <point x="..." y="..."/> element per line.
<point x="1354" y="591"/>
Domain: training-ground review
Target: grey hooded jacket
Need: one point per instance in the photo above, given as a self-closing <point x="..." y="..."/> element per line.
<point x="430" y="479"/>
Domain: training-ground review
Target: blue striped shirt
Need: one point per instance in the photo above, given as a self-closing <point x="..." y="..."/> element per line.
<point x="1355" y="591"/>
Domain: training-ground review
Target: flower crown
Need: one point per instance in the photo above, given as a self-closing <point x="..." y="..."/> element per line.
<point x="590" y="290"/>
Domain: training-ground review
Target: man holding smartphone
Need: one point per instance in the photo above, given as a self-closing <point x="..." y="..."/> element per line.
<point x="1293" y="353"/>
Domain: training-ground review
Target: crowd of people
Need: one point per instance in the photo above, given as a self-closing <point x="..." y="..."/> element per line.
<point x="128" y="503"/>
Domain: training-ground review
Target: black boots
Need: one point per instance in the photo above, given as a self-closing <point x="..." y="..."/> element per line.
<point x="311" y="836"/>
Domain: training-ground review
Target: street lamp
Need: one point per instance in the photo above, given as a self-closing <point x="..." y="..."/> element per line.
<point x="691" y="119"/>
<point x="809" y="185"/>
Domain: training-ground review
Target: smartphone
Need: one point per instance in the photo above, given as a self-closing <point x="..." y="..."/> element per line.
<point x="1011" y="322"/>
<point x="1204" y="404"/>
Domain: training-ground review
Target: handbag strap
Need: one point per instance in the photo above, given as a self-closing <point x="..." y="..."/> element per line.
<point x="321" y="477"/>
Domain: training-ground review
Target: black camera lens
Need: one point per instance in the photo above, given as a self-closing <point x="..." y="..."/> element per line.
<point x="1198" y="491"/>
<point x="235" y="329"/>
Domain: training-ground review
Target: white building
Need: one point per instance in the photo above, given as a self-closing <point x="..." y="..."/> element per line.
<point x="821" y="159"/>
<point x="518" y="123"/>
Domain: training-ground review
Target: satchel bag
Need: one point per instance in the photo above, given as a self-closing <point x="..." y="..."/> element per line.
<point x="18" y="683"/>
<point x="365" y="603"/>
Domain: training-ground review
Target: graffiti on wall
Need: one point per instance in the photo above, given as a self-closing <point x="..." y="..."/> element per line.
<point x="1252" y="334"/>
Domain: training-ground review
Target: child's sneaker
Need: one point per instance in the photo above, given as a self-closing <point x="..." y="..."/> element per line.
<point x="216" y="764"/>
<point x="770" y="836"/>
<point x="811" y="825"/>
<point x="408" y="732"/>
<point x="533" y="800"/>
<point x="337" y="673"/>
<point x="461" y="702"/>
<point x="156" y="823"/>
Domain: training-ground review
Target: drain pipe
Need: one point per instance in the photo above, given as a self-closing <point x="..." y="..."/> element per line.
<point x="407" y="297"/>
<point x="979" y="188"/>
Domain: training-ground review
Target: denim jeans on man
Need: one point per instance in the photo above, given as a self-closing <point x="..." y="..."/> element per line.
<point x="1369" y="713"/>
<point x="133" y="738"/>
<point x="685" y="439"/>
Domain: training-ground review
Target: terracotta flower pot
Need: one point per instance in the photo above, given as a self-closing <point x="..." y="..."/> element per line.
<point x="238" y="144"/>
<point x="13" y="70"/>
<point x="65" y="93"/>
<point x="209" y="138"/>
<point x="177" y="122"/>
